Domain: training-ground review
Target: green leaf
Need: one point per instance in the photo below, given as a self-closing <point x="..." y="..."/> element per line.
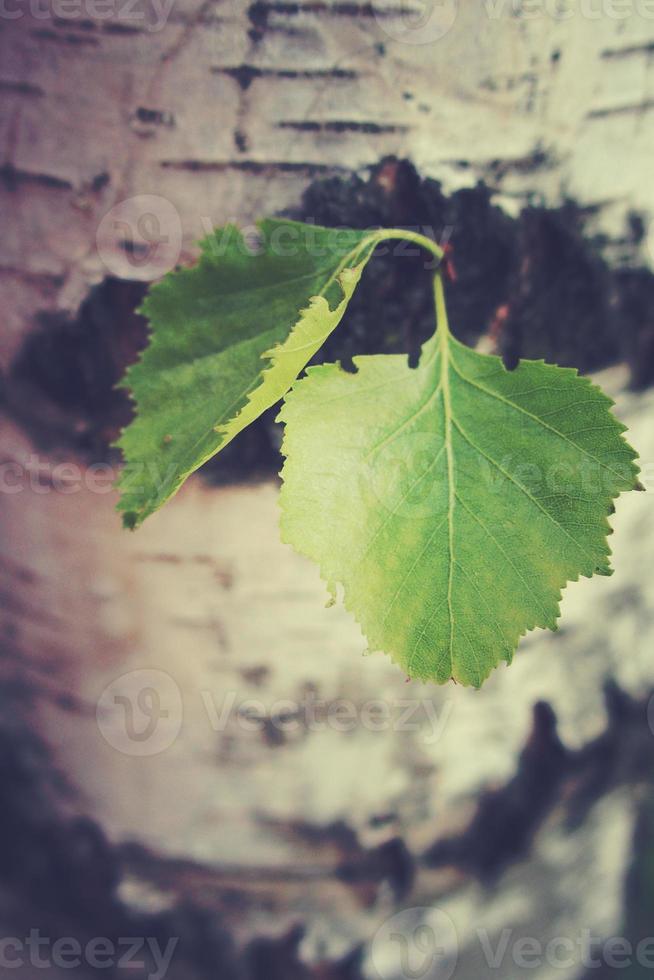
<point x="229" y="337"/>
<point x="454" y="501"/>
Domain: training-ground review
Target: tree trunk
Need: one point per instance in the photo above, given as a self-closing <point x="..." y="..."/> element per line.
<point x="230" y="766"/>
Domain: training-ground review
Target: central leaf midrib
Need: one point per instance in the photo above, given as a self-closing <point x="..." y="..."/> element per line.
<point x="447" y="416"/>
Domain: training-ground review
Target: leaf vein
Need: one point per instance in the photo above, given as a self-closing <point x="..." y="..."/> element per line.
<point x="535" y="418"/>
<point x="524" y="490"/>
<point x="497" y="544"/>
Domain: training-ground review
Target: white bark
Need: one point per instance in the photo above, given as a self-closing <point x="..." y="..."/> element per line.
<point x="205" y="607"/>
<point x="96" y="112"/>
<point x="100" y="114"/>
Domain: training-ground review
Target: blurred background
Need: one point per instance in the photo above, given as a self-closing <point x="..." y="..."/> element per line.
<point x="201" y="776"/>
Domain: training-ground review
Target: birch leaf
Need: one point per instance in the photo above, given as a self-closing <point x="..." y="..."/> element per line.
<point x="452" y="502"/>
<point x="228" y="338"/>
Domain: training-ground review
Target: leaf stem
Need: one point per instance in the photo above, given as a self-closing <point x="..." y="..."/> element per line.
<point x="401" y="234"/>
<point x="442" y="323"/>
<point x="374" y="238"/>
